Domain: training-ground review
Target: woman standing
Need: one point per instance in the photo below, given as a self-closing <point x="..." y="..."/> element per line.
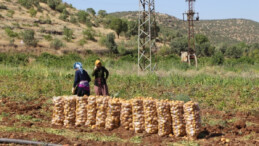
<point x="101" y="74"/>
<point x="81" y="84"/>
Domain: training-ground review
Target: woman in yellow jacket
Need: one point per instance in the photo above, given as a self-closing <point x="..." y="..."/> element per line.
<point x="101" y="74"/>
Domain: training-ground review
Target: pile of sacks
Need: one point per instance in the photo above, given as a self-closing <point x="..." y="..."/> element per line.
<point x="153" y="116"/>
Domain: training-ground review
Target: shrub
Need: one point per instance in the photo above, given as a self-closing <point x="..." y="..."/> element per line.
<point x="73" y="19"/>
<point x="89" y="34"/>
<point x="165" y="50"/>
<point x="82" y="16"/>
<point x="64" y="15"/>
<point x="57" y="44"/>
<point x="118" y="26"/>
<point x="28" y="38"/>
<point x="48" y="37"/>
<point x="234" y="52"/>
<point x="28" y="3"/>
<point x="91" y="11"/>
<point x="3" y="7"/>
<point x="110" y="43"/>
<point x="10" y="13"/>
<point x="10" y="32"/>
<point x="102" y="13"/>
<point x="68" y="34"/>
<point x="218" y="58"/>
<point x="60" y="8"/>
<point x="82" y="42"/>
<point x="33" y="12"/>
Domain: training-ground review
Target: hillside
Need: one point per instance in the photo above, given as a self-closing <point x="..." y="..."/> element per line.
<point x="218" y="31"/>
<point x="46" y="24"/>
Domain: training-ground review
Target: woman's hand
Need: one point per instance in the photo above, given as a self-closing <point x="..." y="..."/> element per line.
<point x="73" y="90"/>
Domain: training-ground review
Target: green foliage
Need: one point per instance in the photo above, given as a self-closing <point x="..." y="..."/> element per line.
<point x="91" y="11"/>
<point x="28" y="3"/>
<point x="33" y="12"/>
<point x="10" y="13"/>
<point x="109" y="42"/>
<point x="89" y="34"/>
<point x="14" y="59"/>
<point x="234" y="52"/>
<point x="178" y="45"/>
<point x="53" y="4"/>
<point x="61" y="8"/>
<point x="82" y="42"/>
<point x="118" y="25"/>
<point x="201" y="39"/>
<point x="82" y="16"/>
<point x="73" y="19"/>
<point x="57" y="44"/>
<point x="68" y="33"/>
<point x="48" y="37"/>
<point x="205" y="50"/>
<point x="102" y="13"/>
<point x="64" y="15"/>
<point x="165" y="50"/>
<point x="3" y="7"/>
<point x="10" y="32"/>
<point x="218" y="58"/>
<point x="132" y="28"/>
<point x="29" y="39"/>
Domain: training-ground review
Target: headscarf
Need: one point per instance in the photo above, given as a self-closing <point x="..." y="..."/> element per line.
<point x="97" y="62"/>
<point x="78" y="65"/>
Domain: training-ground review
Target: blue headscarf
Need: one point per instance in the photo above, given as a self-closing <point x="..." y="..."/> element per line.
<point x="78" y="65"/>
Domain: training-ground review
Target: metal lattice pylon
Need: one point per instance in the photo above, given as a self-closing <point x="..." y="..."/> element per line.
<point x="146" y="34"/>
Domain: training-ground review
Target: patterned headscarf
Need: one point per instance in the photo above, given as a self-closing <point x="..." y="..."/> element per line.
<point x="78" y="65"/>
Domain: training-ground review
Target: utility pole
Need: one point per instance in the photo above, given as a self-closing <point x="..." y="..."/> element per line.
<point x="191" y="34"/>
<point x="146" y="34"/>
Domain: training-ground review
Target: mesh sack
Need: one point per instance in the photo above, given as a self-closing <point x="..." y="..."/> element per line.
<point x="58" y="111"/>
<point x="178" y="118"/>
<point x="91" y="111"/>
<point x="192" y="119"/>
<point x="164" y="118"/>
<point x="81" y="111"/>
<point x="70" y="111"/>
<point x="138" y="115"/>
<point x="102" y="105"/>
<point x="113" y="114"/>
<point x="126" y="115"/>
<point x="151" y="124"/>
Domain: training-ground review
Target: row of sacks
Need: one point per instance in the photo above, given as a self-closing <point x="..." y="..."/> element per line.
<point x="139" y="114"/>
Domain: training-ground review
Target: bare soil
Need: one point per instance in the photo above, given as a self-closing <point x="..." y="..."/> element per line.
<point x="230" y="133"/>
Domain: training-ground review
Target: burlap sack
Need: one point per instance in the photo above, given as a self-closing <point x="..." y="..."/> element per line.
<point x="150" y="111"/>
<point x="192" y="119"/>
<point x="138" y="115"/>
<point x="81" y="111"/>
<point x="126" y="115"/>
<point x="91" y="111"/>
<point x="58" y="111"/>
<point x="70" y="111"/>
<point x="164" y="118"/>
<point x="178" y="118"/>
<point x="113" y="114"/>
<point x="102" y="105"/>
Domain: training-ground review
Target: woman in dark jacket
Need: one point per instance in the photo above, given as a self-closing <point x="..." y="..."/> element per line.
<point x="101" y="74"/>
<point x="81" y="85"/>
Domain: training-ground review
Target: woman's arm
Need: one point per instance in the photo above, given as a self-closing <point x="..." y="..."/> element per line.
<point x="77" y="79"/>
<point x="88" y="77"/>
<point x="106" y="73"/>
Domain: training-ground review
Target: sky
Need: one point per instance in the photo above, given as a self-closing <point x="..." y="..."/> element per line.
<point x="208" y="9"/>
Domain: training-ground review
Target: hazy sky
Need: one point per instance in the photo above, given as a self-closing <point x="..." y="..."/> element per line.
<point x="208" y="9"/>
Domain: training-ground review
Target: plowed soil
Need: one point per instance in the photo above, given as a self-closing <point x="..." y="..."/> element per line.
<point x="227" y="132"/>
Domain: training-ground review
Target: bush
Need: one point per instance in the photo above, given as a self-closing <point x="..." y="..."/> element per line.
<point x="53" y="3"/>
<point x="68" y="34"/>
<point x="3" y="7"/>
<point x="28" y="38"/>
<point x="218" y="58"/>
<point x="102" y="13"/>
<point x="60" y="8"/>
<point x="73" y="19"/>
<point x="110" y="43"/>
<point x="82" y="42"/>
<point x="14" y="59"/>
<point x="10" y="13"/>
<point x="118" y="26"/>
<point x="91" y="11"/>
<point x="10" y="32"/>
<point x="64" y="15"/>
<point x="89" y="34"/>
<point x="165" y="50"/>
<point x="57" y="44"/>
<point x="48" y="37"/>
<point x="33" y="12"/>
<point x="28" y="3"/>
<point x="234" y="52"/>
<point x="82" y="16"/>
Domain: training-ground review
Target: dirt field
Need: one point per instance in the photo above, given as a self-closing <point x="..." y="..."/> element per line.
<point x="31" y="121"/>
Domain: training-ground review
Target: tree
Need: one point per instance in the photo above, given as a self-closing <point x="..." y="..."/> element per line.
<point x="68" y="34"/>
<point x="28" y="38"/>
<point x="178" y="45"/>
<point x="200" y="39"/>
<point x="102" y="13"/>
<point x="91" y="11"/>
<point x="82" y="16"/>
<point x="132" y="28"/>
<point x="110" y="43"/>
<point x="118" y="26"/>
<point x="205" y="49"/>
<point x="64" y="15"/>
<point x="218" y="58"/>
<point x="53" y="3"/>
<point x="234" y="52"/>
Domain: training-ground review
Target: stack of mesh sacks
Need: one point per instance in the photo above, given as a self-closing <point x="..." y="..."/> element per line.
<point x="102" y="105"/>
<point x="113" y="114"/>
<point x="70" y="111"/>
<point x="164" y="118"/>
<point x="138" y="115"/>
<point x="126" y="115"/>
<point x="91" y="111"/>
<point x="150" y="116"/>
<point x="81" y="112"/>
<point x="192" y="119"/>
<point x="58" y="111"/>
<point x="178" y="118"/>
